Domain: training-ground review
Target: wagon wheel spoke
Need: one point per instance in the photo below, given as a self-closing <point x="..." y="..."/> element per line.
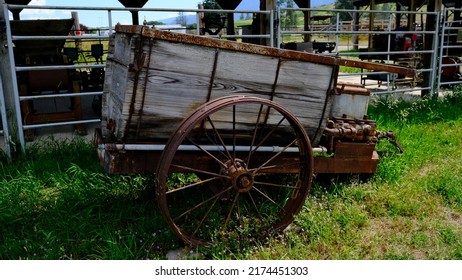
<point x="254" y="135"/>
<point x="205" y="216"/>
<point x="279" y="165"/>
<point x="235" y="189"/>
<point x="274" y="157"/>
<point x="197" y="206"/>
<point x="195" y="170"/>
<point x="268" y="198"/>
<point x="234" y="132"/>
<point x="208" y="153"/>
<point x="228" y="217"/>
<point x="254" y="149"/>
<point x="254" y="204"/>
<point x="275" y="185"/>
<point x="220" y="139"/>
<point x="201" y="183"/>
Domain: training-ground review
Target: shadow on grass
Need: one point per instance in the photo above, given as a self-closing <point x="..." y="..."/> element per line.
<point x="57" y="203"/>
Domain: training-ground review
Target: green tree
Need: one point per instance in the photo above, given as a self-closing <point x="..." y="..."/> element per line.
<point x="344" y="4"/>
<point x="155" y="22"/>
<point x="289" y="17"/>
<point x="213" y="21"/>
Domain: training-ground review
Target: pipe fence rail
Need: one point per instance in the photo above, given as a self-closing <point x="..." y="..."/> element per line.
<point x="389" y="42"/>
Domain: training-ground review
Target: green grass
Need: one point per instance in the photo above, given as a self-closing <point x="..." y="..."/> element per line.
<point x="57" y="203"/>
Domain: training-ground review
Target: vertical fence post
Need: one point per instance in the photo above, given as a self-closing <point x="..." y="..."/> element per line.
<point x="272" y="35"/>
<point x="278" y="26"/>
<point x="337" y="29"/>
<point x="8" y="80"/>
<point x="4" y="117"/>
<point x="109" y="18"/>
<point x="434" y="63"/>
<point x="441" y="53"/>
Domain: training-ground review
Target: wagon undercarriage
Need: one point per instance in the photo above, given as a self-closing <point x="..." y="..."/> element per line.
<point x="250" y="124"/>
<point x="241" y="176"/>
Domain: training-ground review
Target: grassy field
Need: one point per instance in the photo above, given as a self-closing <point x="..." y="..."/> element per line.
<point x="57" y="203"/>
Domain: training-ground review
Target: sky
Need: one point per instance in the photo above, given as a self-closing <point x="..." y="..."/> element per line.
<point x="100" y="18"/>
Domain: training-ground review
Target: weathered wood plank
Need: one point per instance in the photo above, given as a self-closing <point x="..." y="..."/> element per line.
<point x="147" y="101"/>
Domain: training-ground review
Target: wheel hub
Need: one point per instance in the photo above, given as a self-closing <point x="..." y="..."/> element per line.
<point x="241" y="178"/>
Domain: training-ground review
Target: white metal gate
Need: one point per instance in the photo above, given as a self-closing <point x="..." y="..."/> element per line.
<point x="349" y="38"/>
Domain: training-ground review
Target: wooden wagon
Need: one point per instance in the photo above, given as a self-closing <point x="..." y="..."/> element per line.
<point x="250" y="125"/>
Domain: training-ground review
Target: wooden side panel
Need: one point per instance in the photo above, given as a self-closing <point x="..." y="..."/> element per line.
<point x="304" y="88"/>
<point x="149" y="90"/>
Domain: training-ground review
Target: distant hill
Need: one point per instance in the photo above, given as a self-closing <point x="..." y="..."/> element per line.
<point x="245" y="5"/>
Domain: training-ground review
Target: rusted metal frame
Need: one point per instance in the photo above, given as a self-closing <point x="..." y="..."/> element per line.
<point x="253" y="150"/>
<point x="409" y="72"/>
<point x="350" y="157"/>
<point x="264" y="50"/>
<point x="276" y="78"/>
<point x="254" y="135"/>
<point x="234" y="132"/>
<point x="133" y="162"/>
<point x="140" y="111"/>
<point x="212" y="76"/>
<point x="273" y="90"/>
<point x="212" y="79"/>
<point x="135" y="67"/>
<point x="228" y="45"/>
<point x="330" y="91"/>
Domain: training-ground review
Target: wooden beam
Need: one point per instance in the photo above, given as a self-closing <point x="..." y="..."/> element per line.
<point x="458" y="6"/>
<point x="229" y="4"/>
<point x="411" y="21"/>
<point x="371" y="21"/>
<point x="305" y="4"/>
<point x="264" y="19"/>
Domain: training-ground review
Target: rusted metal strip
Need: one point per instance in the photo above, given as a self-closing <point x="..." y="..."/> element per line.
<point x="140" y="111"/>
<point x="225" y="44"/>
<point x="263" y="50"/>
<point x="276" y="78"/>
<point x="273" y="89"/>
<point x="135" y="67"/>
<point x="212" y="76"/>
<point x="330" y="91"/>
<point x="377" y="67"/>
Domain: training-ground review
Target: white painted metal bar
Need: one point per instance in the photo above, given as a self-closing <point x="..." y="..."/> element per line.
<point x="34" y="126"/>
<point x="278" y="25"/>
<point x="434" y="60"/>
<point x="387" y="31"/>
<point x="41" y="38"/>
<point x="271" y="28"/>
<point x="15" y="84"/>
<point x="444" y="46"/>
<point x="4" y="117"/>
<point x="59" y="95"/>
<point x="210" y="148"/>
<point x="346" y="32"/>
<point x="58" y="67"/>
<point x="441" y="50"/>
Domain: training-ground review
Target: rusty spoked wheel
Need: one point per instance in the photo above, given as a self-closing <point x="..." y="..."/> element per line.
<point x="253" y="164"/>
